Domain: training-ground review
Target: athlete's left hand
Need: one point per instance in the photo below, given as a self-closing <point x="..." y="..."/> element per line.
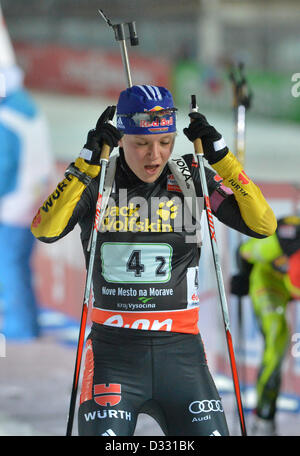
<point x="214" y="146"/>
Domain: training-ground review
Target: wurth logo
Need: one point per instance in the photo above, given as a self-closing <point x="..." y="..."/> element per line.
<point x="107" y="394"/>
<point x="237" y="187"/>
<point x="243" y="178"/>
<point x="108" y="413"/>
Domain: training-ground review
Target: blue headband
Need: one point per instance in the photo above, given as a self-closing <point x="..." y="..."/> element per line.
<point x="135" y="102"/>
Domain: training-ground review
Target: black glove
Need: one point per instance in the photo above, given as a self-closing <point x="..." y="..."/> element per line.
<point x="104" y="132"/>
<point x="239" y="284"/>
<point x="214" y="146"/>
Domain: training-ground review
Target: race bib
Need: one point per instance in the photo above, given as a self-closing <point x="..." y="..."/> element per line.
<point x="136" y="263"/>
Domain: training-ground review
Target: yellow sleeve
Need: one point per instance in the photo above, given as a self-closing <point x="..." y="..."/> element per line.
<point x="54" y="215"/>
<point x="255" y="211"/>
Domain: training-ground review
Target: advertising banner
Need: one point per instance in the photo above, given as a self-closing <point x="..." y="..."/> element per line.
<point x="86" y="72"/>
<point x="275" y="94"/>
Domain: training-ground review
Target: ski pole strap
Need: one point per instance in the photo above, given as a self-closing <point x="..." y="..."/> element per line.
<point x="197" y="143"/>
<point x="108" y="183"/>
<point x="74" y="171"/>
<point x="183" y="177"/>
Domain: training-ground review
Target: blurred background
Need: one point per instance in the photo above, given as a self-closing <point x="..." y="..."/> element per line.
<point x="73" y="69"/>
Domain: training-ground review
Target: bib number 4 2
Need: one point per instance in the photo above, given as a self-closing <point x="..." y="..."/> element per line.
<point x="132" y="263"/>
<point x="135" y="265"/>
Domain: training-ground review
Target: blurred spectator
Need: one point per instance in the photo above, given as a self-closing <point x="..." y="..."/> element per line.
<point x="269" y="271"/>
<point x="26" y="165"/>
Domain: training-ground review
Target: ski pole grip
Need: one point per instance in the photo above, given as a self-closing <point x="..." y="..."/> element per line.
<point x="197" y="143"/>
<point x="198" y="147"/>
<point x="134" y="41"/>
<point x="105" y="151"/>
<point x="119" y="32"/>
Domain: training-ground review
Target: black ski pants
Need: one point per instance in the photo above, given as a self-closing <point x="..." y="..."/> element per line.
<point x="164" y="375"/>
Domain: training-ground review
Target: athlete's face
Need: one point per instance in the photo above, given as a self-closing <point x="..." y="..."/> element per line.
<point x="147" y="155"/>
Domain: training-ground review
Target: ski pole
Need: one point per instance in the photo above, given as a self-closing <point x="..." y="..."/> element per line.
<point x="242" y="97"/>
<point x="241" y="101"/>
<point x="104" y="157"/>
<point x="199" y="153"/>
<point x="120" y="36"/>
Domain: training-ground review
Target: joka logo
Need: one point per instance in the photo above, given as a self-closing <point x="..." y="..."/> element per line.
<point x="184" y="170"/>
<point x="107" y="394"/>
<point x="244" y="178"/>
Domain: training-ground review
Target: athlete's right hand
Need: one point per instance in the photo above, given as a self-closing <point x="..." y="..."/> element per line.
<point x="104" y="132"/>
<point x="214" y="146"/>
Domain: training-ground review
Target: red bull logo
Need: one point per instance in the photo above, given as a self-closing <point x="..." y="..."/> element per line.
<point x="160" y="121"/>
<point x="156" y="108"/>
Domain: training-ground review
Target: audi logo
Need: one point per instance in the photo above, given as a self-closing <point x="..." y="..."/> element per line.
<point x="206" y="406"/>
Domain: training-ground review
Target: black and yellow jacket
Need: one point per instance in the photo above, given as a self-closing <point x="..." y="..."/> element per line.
<point x="145" y="271"/>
